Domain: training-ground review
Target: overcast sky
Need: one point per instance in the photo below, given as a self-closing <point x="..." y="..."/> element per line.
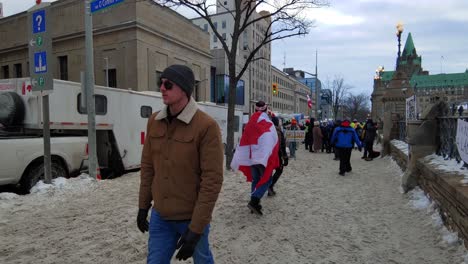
<point x="354" y="37"/>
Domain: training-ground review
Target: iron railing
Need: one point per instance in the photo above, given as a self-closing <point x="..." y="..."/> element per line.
<point x="447" y="147"/>
<point x="402" y="130"/>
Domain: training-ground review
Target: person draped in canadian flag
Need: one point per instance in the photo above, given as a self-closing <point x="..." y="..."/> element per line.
<point x="257" y="154"/>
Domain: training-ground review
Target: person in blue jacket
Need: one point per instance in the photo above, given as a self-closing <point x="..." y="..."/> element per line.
<point x="343" y="139"/>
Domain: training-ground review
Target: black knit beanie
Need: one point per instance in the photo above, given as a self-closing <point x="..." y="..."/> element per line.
<point x="182" y="76"/>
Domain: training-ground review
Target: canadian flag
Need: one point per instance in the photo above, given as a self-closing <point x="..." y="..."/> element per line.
<point x="259" y="144"/>
<point x="309" y="102"/>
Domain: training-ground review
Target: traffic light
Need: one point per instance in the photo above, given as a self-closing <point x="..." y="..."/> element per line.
<point x="275" y="88"/>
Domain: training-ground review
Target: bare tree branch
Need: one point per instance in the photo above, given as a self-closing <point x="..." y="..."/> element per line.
<point x="357" y="106"/>
<point x="283" y="19"/>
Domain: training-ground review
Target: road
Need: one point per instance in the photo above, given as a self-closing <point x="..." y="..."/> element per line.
<point x="317" y="216"/>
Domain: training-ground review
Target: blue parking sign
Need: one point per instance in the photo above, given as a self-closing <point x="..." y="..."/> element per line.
<point x="40" y="62"/>
<point x="38" y="21"/>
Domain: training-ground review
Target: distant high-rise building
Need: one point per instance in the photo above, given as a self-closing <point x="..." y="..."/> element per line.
<point x="255" y="83"/>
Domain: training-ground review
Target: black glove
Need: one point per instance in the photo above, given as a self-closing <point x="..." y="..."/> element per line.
<point x="360" y="149"/>
<point x="187" y="244"/>
<point x="285" y="162"/>
<point x="142" y="221"/>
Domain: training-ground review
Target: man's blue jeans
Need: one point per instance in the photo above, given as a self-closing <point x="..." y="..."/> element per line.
<point x="257" y="172"/>
<point x="292" y="149"/>
<point x="163" y="237"/>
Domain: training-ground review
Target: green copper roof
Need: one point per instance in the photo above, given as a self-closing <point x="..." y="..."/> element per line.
<point x="409" y="47"/>
<point x="387" y="75"/>
<point x="439" y="80"/>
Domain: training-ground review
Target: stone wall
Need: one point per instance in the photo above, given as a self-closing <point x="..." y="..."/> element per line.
<point x="400" y="157"/>
<point x="444" y="189"/>
<point x="451" y="198"/>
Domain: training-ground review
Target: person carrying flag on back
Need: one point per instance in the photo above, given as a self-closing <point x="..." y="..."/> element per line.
<point x="257" y="154"/>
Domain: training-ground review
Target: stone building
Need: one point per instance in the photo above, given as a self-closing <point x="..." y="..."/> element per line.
<point x="291" y="96"/>
<point x="392" y="88"/>
<point x="314" y="84"/>
<point x="133" y="42"/>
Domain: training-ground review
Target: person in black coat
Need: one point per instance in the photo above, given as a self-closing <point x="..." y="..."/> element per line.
<point x="282" y="155"/>
<point x="370" y="130"/>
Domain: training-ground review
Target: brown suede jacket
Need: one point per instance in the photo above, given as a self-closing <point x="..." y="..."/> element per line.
<point x="182" y="166"/>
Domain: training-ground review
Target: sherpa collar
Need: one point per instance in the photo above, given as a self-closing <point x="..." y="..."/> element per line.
<point x="185" y="116"/>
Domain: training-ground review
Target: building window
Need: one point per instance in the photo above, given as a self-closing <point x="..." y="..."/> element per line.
<point x="196" y="90"/>
<point x="223" y="24"/>
<point x="18" y="70"/>
<point x="224" y="36"/>
<point x="215" y="39"/>
<point x="158" y="79"/>
<point x="112" y="75"/>
<point x="205" y="27"/>
<point x="215" y="25"/>
<point x="63" y="67"/>
<point x="225" y="2"/>
<point x="5" y="72"/>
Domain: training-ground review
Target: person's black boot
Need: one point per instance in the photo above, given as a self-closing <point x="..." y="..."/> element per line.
<point x="254" y="205"/>
<point x="271" y="191"/>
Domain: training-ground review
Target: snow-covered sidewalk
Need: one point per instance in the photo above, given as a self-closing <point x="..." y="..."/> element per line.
<point x="317" y="216"/>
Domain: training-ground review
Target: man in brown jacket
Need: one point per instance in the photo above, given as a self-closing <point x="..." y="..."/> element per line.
<point x="181" y="173"/>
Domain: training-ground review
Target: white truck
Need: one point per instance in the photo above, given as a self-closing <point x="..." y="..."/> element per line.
<point x="121" y="118"/>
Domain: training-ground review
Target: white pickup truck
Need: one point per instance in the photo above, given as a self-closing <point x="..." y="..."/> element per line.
<point x="22" y="149"/>
<point x="22" y="159"/>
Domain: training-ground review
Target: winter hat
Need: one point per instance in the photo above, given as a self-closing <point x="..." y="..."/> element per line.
<point x="345" y="123"/>
<point x="260" y="106"/>
<point x="180" y="75"/>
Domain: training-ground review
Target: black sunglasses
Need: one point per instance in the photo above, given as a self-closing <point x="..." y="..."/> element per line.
<point x="167" y="84"/>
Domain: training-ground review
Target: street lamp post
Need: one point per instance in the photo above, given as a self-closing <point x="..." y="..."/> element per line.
<point x="399" y="28"/>
<point x="379" y="72"/>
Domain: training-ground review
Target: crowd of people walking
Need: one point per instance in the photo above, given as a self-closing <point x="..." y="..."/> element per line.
<point x="181" y="213"/>
<point x="263" y="150"/>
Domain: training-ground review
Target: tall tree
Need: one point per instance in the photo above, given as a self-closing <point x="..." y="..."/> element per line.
<point x="283" y="19"/>
<point x="356" y="106"/>
<point x="339" y="92"/>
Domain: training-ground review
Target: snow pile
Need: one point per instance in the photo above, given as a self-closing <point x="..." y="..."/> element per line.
<point x="420" y="201"/>
<point x="8" y="196"/>
<point x="450" y="165"/>
<point x="60" y="185"/>
<point x="401" y="145"/>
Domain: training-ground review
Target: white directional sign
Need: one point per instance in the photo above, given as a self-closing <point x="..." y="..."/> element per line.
<point x="40" y="48"/>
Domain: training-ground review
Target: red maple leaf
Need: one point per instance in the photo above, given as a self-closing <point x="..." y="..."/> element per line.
<point x="254" y="129"/>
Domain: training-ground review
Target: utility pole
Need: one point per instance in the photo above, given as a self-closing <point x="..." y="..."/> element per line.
<point x="317" y="92"/>
<point x="89" y="86"/>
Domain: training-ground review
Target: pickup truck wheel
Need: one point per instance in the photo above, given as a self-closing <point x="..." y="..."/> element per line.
<point x="36" y="173"/>
<point x="11" y="109"/>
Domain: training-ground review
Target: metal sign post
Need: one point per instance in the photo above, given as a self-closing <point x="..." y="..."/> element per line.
<point x="89" y="87"/>
<point x="90" y="9"/>
<point x="40" y="57"/>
